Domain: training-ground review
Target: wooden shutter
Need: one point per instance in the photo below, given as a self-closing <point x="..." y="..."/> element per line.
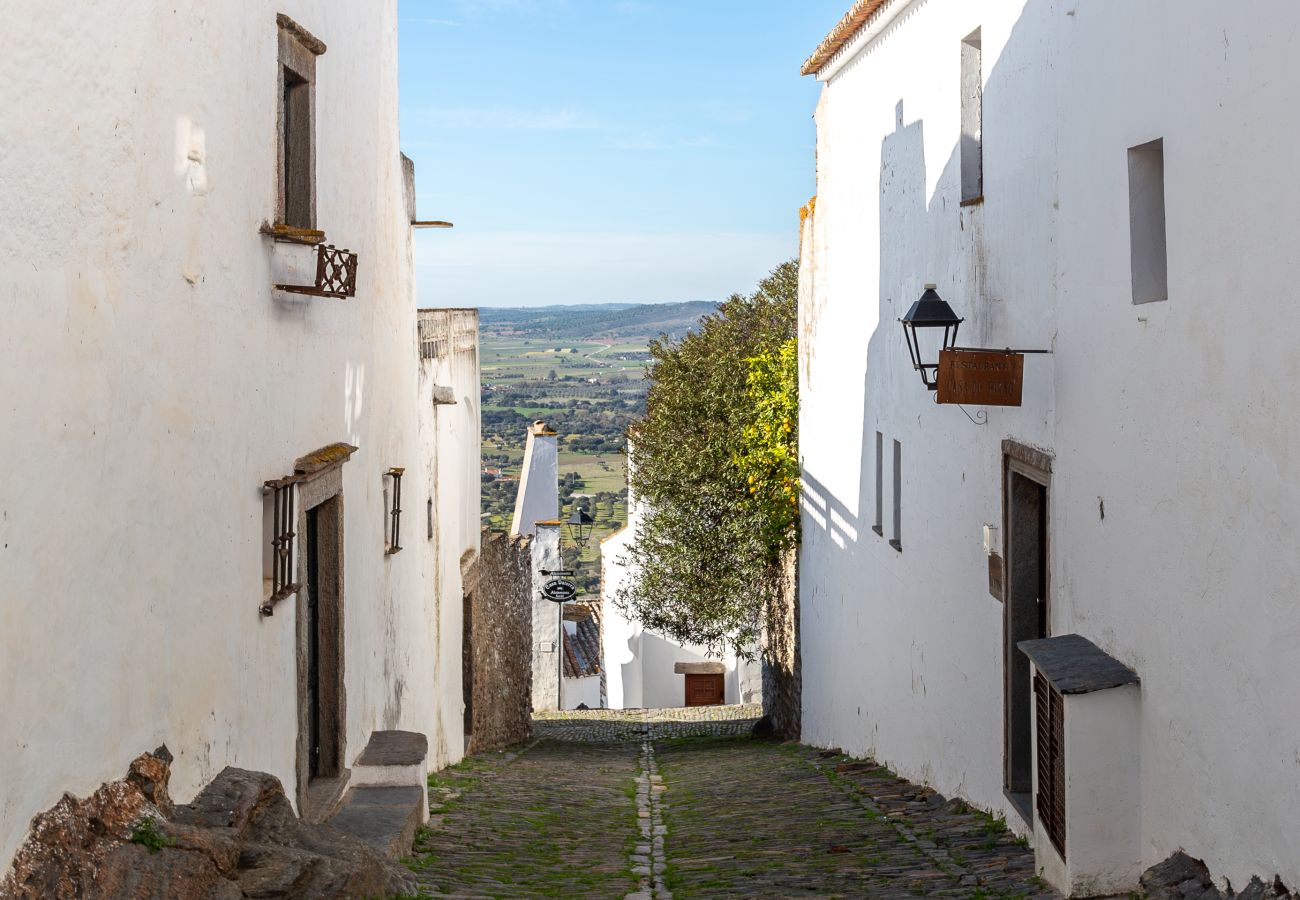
<point x="1050" y="716"/>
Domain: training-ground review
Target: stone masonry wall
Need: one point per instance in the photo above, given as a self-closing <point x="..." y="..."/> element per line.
<point x="499" y="594"/>
<point x="782" y="678"/>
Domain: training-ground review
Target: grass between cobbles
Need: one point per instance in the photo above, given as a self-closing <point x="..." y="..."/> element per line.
<point x="551" y="821"/>
<point x="754" y="819"/>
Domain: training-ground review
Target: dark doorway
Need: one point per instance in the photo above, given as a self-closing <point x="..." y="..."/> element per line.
<point x="313" y="643"/>
<point x="1025" y="615"/>
<point x="467" y="662"/>
<point x="321" y="650"/>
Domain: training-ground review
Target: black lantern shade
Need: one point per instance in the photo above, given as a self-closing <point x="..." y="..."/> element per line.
<point x="580" y="526"/>
<point x="921" y="329"/>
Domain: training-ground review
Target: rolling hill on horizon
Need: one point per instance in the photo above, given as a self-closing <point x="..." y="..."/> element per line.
<point x="619" y="322"/>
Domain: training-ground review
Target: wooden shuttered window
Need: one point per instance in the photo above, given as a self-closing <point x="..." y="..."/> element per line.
<point x="1050" y="716"/>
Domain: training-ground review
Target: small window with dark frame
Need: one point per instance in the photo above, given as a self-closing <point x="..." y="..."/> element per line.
<point x="296" y="203"/>
<point x="879" y="526"/>
<point x="897" y="540"/>
<point x="393" y="506"/>
<point x="278" y="523"/>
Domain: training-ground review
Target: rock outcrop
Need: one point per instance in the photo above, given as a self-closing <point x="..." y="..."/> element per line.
<point x="239" y="838"/>
<point x="1182" y="878"/>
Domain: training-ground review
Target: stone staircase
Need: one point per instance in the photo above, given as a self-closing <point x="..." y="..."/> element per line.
<point x="388" y="795"/>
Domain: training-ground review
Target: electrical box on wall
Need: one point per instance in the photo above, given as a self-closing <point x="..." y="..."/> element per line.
<point x="991" y="545"/>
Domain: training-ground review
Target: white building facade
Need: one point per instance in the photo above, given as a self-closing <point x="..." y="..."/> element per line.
<point x="1091" y="179"/>
<point x="537" y="513"/>
<point x="158" y="387"/>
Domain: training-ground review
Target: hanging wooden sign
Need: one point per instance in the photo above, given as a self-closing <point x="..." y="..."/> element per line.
<point x="560" y="590"/>
<point x="981" y="377"/>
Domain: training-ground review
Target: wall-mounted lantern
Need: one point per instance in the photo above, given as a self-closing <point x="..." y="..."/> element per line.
<point x="929" y="327"/>
<point x="580" y="527"/>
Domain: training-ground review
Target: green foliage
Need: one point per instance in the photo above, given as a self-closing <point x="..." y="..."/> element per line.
<point x="769" y="457"/>
<point x="147" y="834"/>
<point x="706" y="552"/>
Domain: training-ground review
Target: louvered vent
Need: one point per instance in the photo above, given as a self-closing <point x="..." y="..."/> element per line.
<point x="1050" y="715"/>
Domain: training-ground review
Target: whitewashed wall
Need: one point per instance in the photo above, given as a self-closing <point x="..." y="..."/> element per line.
<point x="538" y="497"/>
<point x="581" y="690"/>
<point x="547" y="649"/>
<point x="1180" y="415"/>
<point x="446" y="519"/>
<point x="152" y="382"/>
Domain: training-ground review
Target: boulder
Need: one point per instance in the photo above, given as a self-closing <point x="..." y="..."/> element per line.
<point x="238" y="838"/>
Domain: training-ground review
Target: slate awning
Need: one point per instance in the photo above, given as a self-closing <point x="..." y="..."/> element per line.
<point x="1075" y="665"/>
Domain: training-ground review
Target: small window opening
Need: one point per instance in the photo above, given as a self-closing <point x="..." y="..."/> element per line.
<point x="278" y="544"/>
<point x="972" y="118"/>
<point x="297" y="138"/>
<point x="430" y="518"/>
<point x="897" y="541"/>
<point x="1146" y="222"/>
<point x="879" y="527"/>
<point x="296" y="144"/>
<point x="393" y="505"/>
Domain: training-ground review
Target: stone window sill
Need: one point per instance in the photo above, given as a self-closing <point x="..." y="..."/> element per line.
<point x="291" y="234"/>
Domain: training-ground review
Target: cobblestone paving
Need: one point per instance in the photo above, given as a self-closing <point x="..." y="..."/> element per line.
<point x="637" y="724"/>
<point x="663" y="804"/>
<point x="555" y="820"/>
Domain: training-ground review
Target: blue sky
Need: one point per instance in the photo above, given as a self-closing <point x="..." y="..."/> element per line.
<point x="607" y="150"/>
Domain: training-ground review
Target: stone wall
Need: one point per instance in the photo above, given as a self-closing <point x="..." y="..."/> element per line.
<point x="782" y="682"/>
<point x="500" y="634"/>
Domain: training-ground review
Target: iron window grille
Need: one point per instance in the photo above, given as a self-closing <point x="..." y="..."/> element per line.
<point x="1050" y="716"/>
<point x="283" y="519"/>
<point x="395" y="511"/>
<point x="336" y="274"/>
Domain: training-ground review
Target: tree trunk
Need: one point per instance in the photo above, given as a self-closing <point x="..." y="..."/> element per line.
<point x="782" y="681"/>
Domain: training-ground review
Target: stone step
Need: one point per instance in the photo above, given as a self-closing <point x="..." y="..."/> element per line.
<point x="386" y="818"/>
<point x="394" y="759"/>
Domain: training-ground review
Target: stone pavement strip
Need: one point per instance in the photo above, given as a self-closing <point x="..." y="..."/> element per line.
<point x="661" y="804"/>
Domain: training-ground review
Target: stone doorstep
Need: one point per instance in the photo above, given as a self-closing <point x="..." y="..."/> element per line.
<point x="394" y="748"/>
<point x="386" y="818"/>
<point x="395" y="759"/>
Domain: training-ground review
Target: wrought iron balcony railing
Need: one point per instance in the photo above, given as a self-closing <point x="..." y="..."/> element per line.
<point x="336" y="274"/>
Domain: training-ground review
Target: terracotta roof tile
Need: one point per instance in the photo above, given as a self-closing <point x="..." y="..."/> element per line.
<point x="857" y="16"/>
<point x="582" y="649"/>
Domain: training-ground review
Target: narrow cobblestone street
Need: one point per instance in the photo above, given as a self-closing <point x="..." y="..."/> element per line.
<point x="684" y="804"/>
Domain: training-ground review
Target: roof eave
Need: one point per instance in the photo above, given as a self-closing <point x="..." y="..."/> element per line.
<point x="862" y="14"/>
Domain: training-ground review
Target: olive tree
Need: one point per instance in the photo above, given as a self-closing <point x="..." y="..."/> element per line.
<point x="715" y="464"/>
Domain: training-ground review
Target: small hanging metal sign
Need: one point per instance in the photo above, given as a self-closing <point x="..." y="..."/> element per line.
<point x="981" y="377"/>
<point x="559" y="590"/>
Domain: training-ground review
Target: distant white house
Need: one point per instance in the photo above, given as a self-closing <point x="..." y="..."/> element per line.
<point x="647" y="670"/>
<point x="1079" y="612"/>
<point x="537" y="513"/>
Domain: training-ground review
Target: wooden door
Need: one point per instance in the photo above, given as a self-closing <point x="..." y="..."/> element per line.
<point x="705" y="690"/>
